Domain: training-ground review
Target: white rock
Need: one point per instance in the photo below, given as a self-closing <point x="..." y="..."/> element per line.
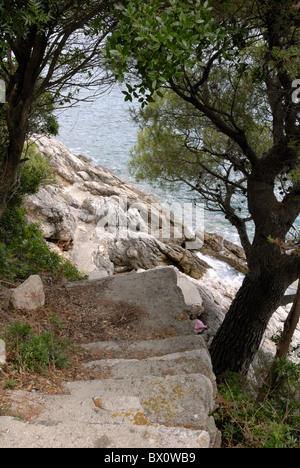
<point x="189" y="290"/>
<point x="2" y="352"/>
<point x="281" y="314"/>
<point x="91" y="207"/>
<point x="30" y="295"/>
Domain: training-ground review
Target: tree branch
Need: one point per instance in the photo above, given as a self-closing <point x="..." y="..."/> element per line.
<point x="238" y="136"/>
<point x="287" y="299"/>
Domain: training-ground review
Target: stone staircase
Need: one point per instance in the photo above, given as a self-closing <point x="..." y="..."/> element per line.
<point x="151" y="394"/>
<point x="162" y="400"/>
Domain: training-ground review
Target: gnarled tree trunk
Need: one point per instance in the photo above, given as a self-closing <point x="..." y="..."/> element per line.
<point x="271" y="270"/>
<point x="240" y="335"/>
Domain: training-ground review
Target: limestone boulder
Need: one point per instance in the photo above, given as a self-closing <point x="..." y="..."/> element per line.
<point x="146" y="252"/>
<point x="104" y="225"/>
<point x="186" y="260"/>
<point x="29" y="295"/>
<point x="52" y="212"/>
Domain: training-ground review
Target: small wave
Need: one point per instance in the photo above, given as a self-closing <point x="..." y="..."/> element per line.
<point x="221" y="270"/>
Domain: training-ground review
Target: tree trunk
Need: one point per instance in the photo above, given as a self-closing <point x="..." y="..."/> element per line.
<point x="283" y="345"/>
<point x="270" y="274"/>
<point x="240" y="335"/>
<point x="11" y="166"/>
<point x="17" y="115"/>
<point x="290" y="325"/>
<point x="20" y="90"/>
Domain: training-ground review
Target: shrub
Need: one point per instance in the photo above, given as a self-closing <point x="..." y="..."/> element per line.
<point x="271" y="423"/>
<point x="36" y="352"/>
<point x="24" y="251"/>
<point x="35" y="172"/>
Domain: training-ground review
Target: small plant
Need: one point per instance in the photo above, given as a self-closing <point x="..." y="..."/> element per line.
<point x="36" y="352"/>
<point x="10" y="384"/>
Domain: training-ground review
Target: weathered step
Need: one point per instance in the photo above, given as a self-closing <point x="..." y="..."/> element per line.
<point x="195" y="361"/>
<point x="142" y="349"/>
<point x="162" y="298"/>
<point x="73" y="435"/>
<point x="117" y="412"/>
<point x="169" y="356"/>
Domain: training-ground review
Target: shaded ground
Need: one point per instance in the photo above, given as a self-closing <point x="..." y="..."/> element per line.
<point x="85" y="317"/>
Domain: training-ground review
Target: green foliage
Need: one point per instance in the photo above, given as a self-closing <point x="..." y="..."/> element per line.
<point x="32" y="352"/>
<point x="63" y="23"/>
<point x="18" y="17"/>
<point x="24" y="252"/>
<point x="161" y="41"/>
<point x="42" y="120"/>
<point x="36" y="172"/>
<point x="10" y="385"/>
<point x="161" y="153"/>
<point x="176" y="143"/>
<point x="23" y="249"/>
<point x="272" y="423"/>
<point x="43" y="47"/>
<point x="168" y="41"/>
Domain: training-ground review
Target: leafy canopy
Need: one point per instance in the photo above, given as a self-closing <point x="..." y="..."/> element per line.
<point x="160" y="40"/>
<point x="177" y="143"/>
<point x="233" y="65"/>
<point x="60" y="39"/>
<point x="48" y="52"/>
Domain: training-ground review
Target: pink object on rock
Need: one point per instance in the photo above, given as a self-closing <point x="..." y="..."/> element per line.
<point x="199" y="326"/>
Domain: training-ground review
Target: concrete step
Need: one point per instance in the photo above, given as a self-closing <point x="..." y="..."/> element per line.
<point x="147" y="394"/>
<point x="121" y="412"/>
<point x="170" y="356"/>
<point x="142" y="349"/>
<point x="181" y="363"/>
<point x="160" y="399"/>
<point x="73" y="435"/>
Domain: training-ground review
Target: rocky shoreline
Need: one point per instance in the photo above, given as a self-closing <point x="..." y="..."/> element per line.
<point x="83" y="217"/>
<point x="105" y="226"/>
